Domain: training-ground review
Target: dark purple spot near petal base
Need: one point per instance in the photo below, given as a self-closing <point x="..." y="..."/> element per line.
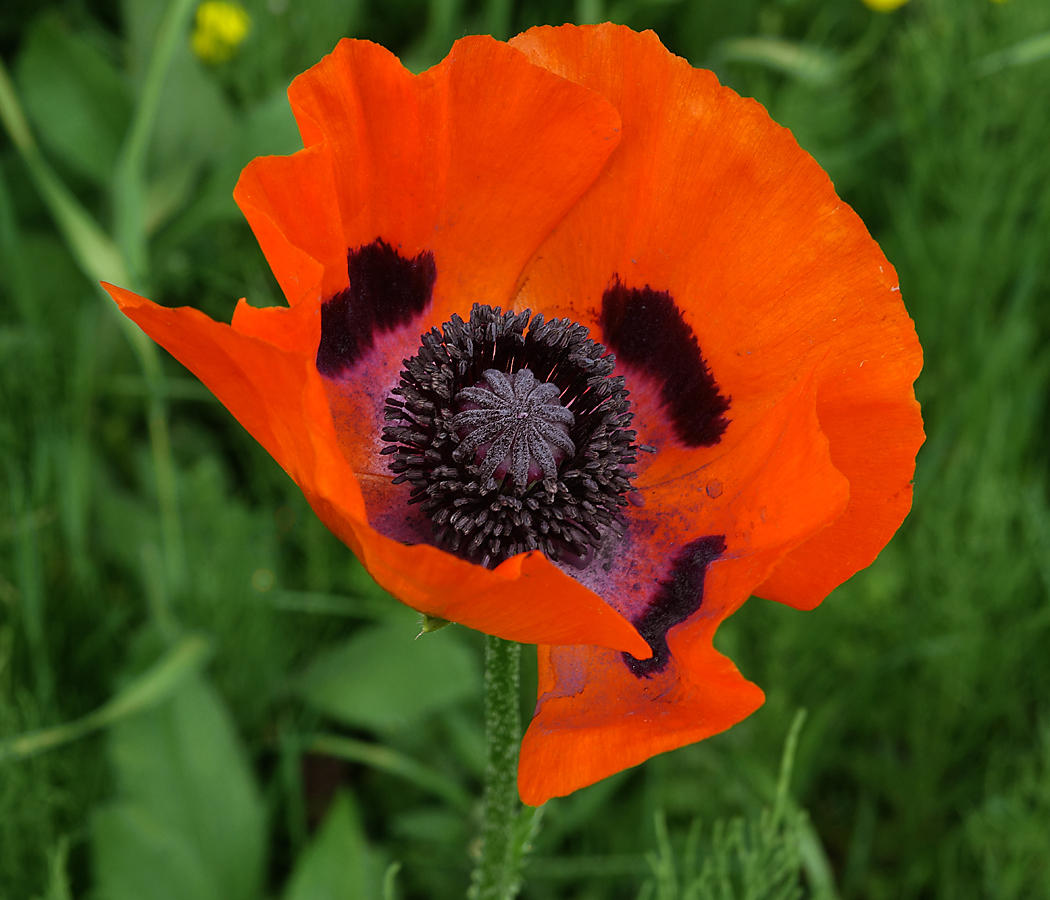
<point x="679" y="597"/>
<point x="386" y="291"/>
<point x="645" y="328"/>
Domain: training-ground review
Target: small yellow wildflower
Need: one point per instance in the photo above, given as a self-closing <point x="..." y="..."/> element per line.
<point x="884" y="5"/>
<point x="890" y="5"/>
<point x="219" y="30"/>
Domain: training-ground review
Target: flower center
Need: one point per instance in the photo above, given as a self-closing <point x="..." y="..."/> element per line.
<point x="513" y="435"/>
<point x="513" y="425"/>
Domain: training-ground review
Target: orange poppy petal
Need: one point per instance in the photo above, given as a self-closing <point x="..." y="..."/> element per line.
<point x="766" y="492"/>
<point x="294" y="329"/>
<point x="595" y="719"/>
<point x="709" y="199"/>
<point x="278" y="397"/>
<point x="289" y="201"/>
<point x="525" y="599"/>
<point x="469" y="165"/>
<point x="474" y="160"/>
<point x="874" y="446"/>
<point x="757" y="501"/>
<point x="258" y="382"/>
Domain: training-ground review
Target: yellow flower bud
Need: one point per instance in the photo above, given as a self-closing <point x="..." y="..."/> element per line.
<point x="884" y="5"/>
<point x="220" y="28"/>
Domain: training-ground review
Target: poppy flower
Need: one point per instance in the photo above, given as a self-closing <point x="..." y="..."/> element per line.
<point x="581" y="350"/>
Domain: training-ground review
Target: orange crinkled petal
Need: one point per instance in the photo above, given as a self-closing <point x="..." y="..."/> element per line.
<point x="759" y="500"/>
<point x="797" y="313"/>
<point x="474" y="160"/>
<point x="471" y="163"/>
<point x="709" y="199"/>
<point x="277" y="396"/>
<point x="563" y="751"/>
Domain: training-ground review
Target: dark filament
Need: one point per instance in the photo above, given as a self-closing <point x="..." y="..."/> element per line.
<point x="512" y="434"/>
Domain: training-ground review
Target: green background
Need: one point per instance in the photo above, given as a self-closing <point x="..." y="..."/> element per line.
<point x="260" y="721"/>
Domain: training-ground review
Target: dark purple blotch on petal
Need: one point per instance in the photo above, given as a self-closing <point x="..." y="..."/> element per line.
<point x="678" y="597"/>
<point x="386" y="291"/>
<point x="645" y="329"/>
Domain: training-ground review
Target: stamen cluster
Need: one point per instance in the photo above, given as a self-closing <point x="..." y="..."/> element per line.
<point x="513" y="435"/>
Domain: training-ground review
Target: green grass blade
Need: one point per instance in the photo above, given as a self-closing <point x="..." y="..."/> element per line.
<point x="156" y="683"/>
<point x="92" y="248"/>
<point x="1027" y="51"/>
<point x="129" y="188"/>
<point x="393" y="762"/>
<point x="806" y="63"/>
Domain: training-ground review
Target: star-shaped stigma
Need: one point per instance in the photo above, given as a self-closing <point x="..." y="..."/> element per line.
<point x="513" y="425"/>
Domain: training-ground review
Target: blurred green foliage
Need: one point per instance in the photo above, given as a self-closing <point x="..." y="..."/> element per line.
<point x="288" y="767"/>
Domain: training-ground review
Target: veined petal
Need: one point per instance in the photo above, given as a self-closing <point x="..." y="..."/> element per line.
<point x="290" y="203"/>
<point x="468" y="166"/>
<point x="710" y="200"/>
<point x="474" y="161"/>
<point x="765" y="491"/>
<point x="874" y="446"/>
<point x="599" y="712"/>
<point x="258" y="381"/>
<point x="596" y="719"/>
<point x="277" y="395"/>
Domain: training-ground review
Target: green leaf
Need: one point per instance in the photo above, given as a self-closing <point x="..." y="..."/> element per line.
<point x="75" y="98"/>
<point x="335" y="865"/>
<point x="95" y="253"/>
<point x="153" y="685"/>
<point x="189" y="824"/>
<point x="268" y="128"/>
<point x="196" y="124"/>
<point x="430" y="624"/>
<point x="137" y="858"/>
<point x="802" y="61"/>
<point x="1028" y="51"/>
<point x="141" y="21"/>
<point x="387" y="759"/>
<point x="58" y="882"/>
<point x="382" y="678"/>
